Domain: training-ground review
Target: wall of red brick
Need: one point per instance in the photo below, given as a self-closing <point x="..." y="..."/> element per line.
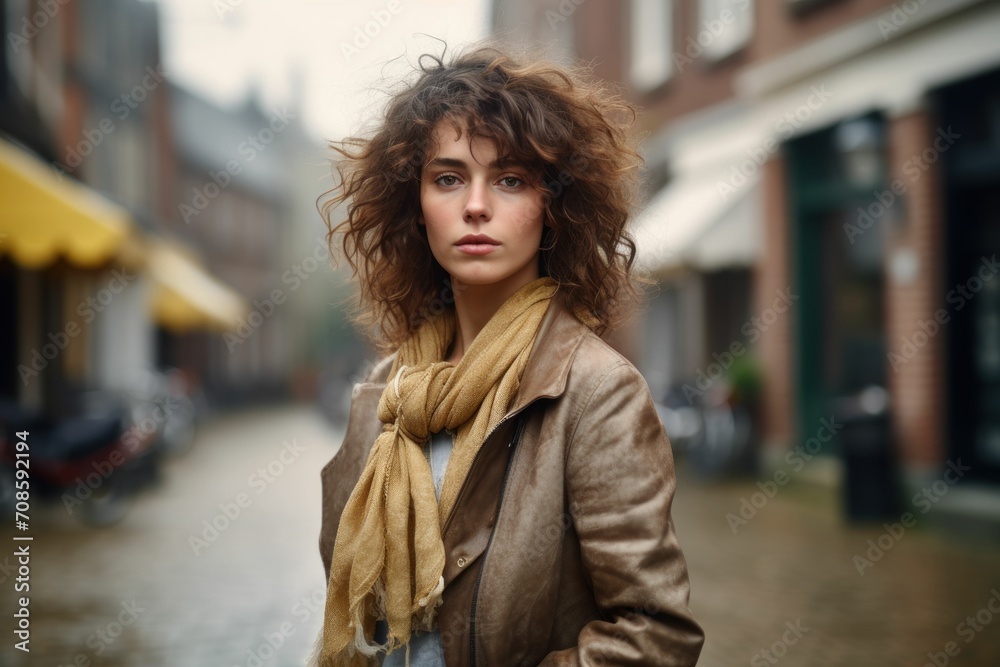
<point x="778" y="30"/>
<point x="602" y="33"/>
<point x="772" y="275"/>
<point x="916" y="370"/>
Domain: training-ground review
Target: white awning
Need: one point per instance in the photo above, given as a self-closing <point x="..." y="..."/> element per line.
<point x="735" y="238"/>
<point x="700" y="220"/>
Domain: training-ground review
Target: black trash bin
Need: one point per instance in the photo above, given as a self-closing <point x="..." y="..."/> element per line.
<point x="870" y="485"/>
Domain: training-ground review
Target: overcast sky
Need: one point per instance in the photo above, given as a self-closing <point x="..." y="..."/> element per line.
<point x="227" y="49"/>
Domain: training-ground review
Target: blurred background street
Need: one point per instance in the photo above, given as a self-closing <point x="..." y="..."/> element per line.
<point x="819" y="211"/>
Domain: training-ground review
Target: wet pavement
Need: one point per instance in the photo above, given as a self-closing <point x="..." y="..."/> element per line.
<point x="218" y="566"/>
<point x="215" y="562"/>
<point x="795" y="585"/>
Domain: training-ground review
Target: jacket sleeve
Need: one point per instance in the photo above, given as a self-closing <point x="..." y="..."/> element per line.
<point x="620" y="481"/>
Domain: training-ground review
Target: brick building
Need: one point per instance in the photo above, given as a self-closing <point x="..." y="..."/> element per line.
<point x="819" y="180"/>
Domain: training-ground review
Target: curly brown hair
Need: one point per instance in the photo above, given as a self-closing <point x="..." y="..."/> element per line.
<point x="566" y="127"/>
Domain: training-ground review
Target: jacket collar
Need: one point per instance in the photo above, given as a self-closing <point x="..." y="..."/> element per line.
<point x="559" y="336"/>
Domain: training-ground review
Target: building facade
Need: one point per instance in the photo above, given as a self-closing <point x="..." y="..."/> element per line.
<point x="820" y="174"/>
<point x="106" y="277"/>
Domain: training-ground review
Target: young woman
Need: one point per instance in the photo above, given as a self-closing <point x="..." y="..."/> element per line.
<point x="503" y="492"/>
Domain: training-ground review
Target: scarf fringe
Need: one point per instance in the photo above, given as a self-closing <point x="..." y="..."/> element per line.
<point x="426" y="617"/>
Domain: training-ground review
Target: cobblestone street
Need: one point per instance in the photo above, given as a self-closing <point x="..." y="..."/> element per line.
<point x="166" y="588"/>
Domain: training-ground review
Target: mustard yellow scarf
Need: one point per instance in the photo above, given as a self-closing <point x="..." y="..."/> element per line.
<point x="389" y="558"/>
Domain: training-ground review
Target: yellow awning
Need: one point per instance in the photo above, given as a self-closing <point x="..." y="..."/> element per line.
<point x="185" y="297"/>
<point x="43" y="216"/>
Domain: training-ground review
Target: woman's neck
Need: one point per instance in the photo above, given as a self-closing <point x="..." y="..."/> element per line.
<point x="475" y="305"/>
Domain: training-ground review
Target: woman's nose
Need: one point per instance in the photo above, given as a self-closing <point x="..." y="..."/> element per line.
<point x="477" y="206"/>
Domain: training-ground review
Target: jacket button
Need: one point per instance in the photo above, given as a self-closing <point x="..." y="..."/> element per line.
<point x="462" y="561"/>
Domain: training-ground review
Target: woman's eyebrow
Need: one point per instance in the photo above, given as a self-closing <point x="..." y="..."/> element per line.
<point x="455" y="163"/>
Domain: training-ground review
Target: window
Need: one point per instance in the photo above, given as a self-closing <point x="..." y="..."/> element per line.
<point x="652" y="43"/>
<point x="724" y="26"/>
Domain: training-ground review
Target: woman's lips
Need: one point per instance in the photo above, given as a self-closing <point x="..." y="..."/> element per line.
<point x="477" y="248"/>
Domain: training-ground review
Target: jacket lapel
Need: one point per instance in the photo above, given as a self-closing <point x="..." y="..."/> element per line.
<point x="559" y="335"/>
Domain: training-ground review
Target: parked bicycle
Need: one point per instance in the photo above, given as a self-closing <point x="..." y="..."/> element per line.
<point x="92" y="463"/>
<point x="714" y="432"/>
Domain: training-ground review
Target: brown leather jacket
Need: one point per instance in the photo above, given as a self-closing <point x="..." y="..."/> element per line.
<point x="561" y="549"/>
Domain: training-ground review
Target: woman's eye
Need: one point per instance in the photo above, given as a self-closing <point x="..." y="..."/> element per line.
<point x="507" y="181"/>
<point x="441" y="180"/>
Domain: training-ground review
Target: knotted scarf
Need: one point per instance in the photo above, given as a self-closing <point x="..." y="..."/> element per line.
<point x="388" y="559"/>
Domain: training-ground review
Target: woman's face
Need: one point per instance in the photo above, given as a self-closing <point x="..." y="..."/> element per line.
<point x="464" y="193"/>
